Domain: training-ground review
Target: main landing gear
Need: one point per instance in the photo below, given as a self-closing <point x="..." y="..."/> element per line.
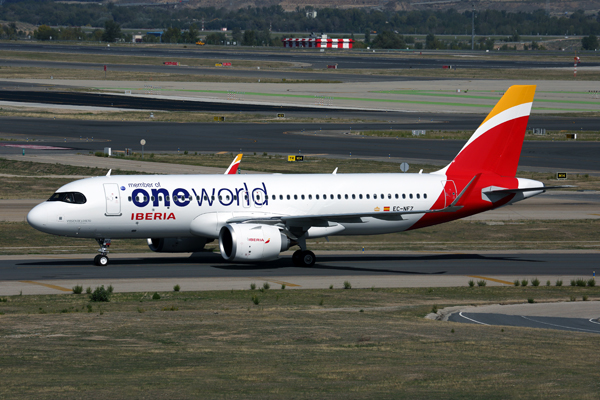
<point x="303" y="258"/>
<point x="101" y="259"/>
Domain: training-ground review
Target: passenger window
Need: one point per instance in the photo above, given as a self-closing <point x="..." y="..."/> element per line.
<point x="360" y="196"/>
<point x="346" y="196"/>
<point x="288" y="196"/>
<point x="424" y="195"/>
<point x="374" y="196"/>
<point x="396" y="195"/>
<point x="220" y="198"/>
<point x="235" y="197"/>
<point x="295" y="197"/>
<point x="273" y="197"/>
<point x="368" y="197"/>
<point x="339" y="196"/>
<point x="418" y="196"/>
<point x="317" y="196"/>
<point x="302" y="197"/>
<point x="403" y="196"/>
<point x="129" y="198"/>
<point x="331" y="196"/>
<point x="310" y="196"/>
<point x="389" y="195"/>
<point x="353" y="196"/>
<point x="410" y="195"/>
<point x="197" y="198"/>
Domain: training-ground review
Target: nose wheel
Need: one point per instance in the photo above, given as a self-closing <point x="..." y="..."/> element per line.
<point x="101" y="260"/>
<point x="303" y="258"/>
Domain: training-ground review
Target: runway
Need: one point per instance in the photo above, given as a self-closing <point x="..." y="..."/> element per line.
<point x="287" y="138"/>
<point x="378" y="59"/>
<point x="208" y="271"/>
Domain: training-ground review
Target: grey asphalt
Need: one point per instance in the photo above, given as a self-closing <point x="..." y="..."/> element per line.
<point x="210" y="265"/>
<point x="357" y="60"/>
<point x="285" y="138"/>
<point x="187" y="70"/>
<point x="560" y="323"/>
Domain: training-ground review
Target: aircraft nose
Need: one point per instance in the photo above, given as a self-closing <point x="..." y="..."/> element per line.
<point x="38" y="217"/>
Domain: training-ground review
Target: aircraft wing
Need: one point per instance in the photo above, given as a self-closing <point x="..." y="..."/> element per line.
<point x="233" y="168"/>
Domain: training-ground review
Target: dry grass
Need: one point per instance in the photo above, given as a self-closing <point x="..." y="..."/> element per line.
<point x="589" y="136"/>
<point x="220" y="345"/>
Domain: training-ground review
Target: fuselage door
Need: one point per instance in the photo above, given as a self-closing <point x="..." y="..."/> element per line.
<point x="449" y="192"/>
<point x="113" y="199"/>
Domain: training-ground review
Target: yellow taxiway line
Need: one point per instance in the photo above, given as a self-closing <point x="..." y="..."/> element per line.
<point x="62" y="289"/>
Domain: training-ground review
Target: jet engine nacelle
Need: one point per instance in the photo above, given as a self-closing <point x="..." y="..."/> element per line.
<point x="177" y="245"/>
<point x="252" y="242"/>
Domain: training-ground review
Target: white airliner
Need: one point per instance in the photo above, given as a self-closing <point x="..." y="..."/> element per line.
<point x="256" y="217"/>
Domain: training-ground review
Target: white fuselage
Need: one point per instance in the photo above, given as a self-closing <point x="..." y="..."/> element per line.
<point x="144" y="206"/>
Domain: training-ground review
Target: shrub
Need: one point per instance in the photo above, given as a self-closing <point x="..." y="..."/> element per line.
<point x="573" y="298"/>
<point x="330" y="286"/>
<point x="573" y="283"/>
<point x="283" y="286"/>
<point x="558" y="282"/>
<point x="252" y="286"/>
<point x="100" y="294"/>
<point x="516" y="282"/>
<point x="156" y="296"/>
<point x="172" y="308"/>
<point x="524" y="282"/>
<point x="584" y="298"/>
<point x="471" y="283"/>
<point x="434" y="309"/>
<point x="77" y="289"/>
<point x="530" y="300"/>
<point x="581" y="282"/>
<point x="110" y="288"/>
<point x="266" y="286"/>
<point x="481" y="283"/>
<point x="535" y="282"/>
<point x="141" y="310"/>
<point x="88" y="290"/>
<point x="321" y="302"/>
<point x="347" y="285"/>
<point x="89" y="308"/>
<point x="548" y="283"/>
<point x="591" y="282"/>
<point x="255" y="299"/>
<point x="176" y="288"/>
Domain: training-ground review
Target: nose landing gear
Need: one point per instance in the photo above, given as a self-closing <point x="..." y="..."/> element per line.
<point x="101" y="259"/>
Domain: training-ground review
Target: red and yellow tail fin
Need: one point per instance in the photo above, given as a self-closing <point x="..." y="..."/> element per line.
<point x="233" y="168"/>
<point x="496" y="145"/>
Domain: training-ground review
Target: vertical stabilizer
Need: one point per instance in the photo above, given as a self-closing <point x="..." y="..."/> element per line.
<point x="496" y="145"/>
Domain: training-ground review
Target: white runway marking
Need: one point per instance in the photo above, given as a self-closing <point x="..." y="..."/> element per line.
<point x="560" y="326"/>
<point x="477" y="322"/>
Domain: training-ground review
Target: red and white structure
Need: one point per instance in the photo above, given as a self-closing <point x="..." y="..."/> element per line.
<point x="318" y="42"/>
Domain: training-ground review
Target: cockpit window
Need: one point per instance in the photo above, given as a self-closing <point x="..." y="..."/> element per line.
<point x="69" y="197"/>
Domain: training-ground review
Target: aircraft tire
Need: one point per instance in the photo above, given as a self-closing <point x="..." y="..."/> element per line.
<point x="307" y="259"/>
<point x="296" y="258"/>
<point x="100" y="260"/>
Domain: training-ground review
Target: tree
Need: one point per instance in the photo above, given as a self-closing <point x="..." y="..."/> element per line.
<point x="431" y="42"/>
<point x="249" y="38"/>
<point x="589" y="42"/>
<point x="389" y="40"/>
<point x="112" y="31"/>
<point x="367" y="36"/>
<point x="192" y="35"/>
<point x="172" y="35"/>
<point x="237" y="35"/>
<point x="215" y="38"/>
<point x="44" y="32"/>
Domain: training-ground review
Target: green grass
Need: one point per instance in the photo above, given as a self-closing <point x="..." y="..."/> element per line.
<point x="222" y="345"/>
